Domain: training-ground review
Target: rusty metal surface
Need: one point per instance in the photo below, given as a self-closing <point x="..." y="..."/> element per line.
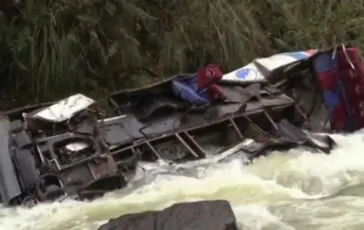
<point x="102" y="166"/>
<point x="76" y="176"/>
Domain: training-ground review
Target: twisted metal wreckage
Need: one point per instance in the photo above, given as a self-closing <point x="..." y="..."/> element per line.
<point x="65" y="149"/>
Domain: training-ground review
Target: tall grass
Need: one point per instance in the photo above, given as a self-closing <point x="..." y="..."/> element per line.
<point x="57" y="47"/>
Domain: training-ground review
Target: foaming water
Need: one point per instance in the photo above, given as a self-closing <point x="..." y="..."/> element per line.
<point x="286" y="190"/>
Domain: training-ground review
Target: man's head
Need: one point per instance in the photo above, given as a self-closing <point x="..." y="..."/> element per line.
<point x="213" y="73"/>
<point x="209" y="74"/>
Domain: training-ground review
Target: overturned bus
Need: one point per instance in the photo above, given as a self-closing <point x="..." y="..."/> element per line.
<point x="65" y="149"/>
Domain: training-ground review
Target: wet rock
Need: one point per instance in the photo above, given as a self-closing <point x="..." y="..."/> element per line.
<point x="201" y="215"/>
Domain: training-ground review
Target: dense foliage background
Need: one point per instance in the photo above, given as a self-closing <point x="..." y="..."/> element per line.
<point x="51" y="48"/>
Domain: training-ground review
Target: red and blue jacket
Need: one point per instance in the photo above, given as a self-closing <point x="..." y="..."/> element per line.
<point x="340" y="75"/>
<point x="202" y="88"/>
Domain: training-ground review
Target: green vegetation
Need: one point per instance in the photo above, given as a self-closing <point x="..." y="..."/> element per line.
<point x="56" y="47"/>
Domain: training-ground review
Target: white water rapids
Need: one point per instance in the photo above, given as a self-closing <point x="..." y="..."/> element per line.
<point x="286" y="190"/>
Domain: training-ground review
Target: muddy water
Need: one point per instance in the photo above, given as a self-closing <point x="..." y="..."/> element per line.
<point x="287" y="190"/>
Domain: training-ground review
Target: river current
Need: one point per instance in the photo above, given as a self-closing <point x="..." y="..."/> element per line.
<point x="287" y="190"/>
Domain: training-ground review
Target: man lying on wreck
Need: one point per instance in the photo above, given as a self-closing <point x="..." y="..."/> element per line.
<point x="202" y="89"/>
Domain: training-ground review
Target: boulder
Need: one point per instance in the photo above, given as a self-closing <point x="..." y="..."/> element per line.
<point x="201" y="215"/>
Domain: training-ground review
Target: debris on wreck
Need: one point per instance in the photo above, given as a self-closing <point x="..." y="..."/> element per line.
<point x="65" y="149"/>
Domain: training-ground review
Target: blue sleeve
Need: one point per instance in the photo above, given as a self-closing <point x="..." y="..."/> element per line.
<point x="186" y="92"/>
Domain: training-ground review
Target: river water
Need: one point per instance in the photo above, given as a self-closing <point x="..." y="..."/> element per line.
<point x="286" y="190"/>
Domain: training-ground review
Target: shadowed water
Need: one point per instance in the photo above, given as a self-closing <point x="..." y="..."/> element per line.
<point x="287" y="190"/>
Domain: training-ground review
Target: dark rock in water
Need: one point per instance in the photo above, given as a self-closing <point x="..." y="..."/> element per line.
<point x="202" y="215"/>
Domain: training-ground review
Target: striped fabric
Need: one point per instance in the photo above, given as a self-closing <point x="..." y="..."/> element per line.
<point x="341" y="80"/>
<point x="300" y="55"/>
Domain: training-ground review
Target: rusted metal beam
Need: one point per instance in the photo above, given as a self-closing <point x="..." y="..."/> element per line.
<point x="254" y="125"/>
<point x="186" y="145"/>
<point x="150" y="146"/>
<point x="236" y="128"/>
<point x="275" y="126"/>
<point x="199" y="149"/>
